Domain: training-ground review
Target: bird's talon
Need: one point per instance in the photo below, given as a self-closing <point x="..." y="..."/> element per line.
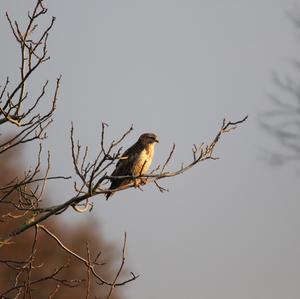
<point x="143" y="181"/>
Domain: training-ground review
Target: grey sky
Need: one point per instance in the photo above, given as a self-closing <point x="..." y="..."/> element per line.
<point x="227" y="229"/>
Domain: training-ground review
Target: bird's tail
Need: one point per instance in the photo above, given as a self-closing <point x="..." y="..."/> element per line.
<point x="109" y="194"/>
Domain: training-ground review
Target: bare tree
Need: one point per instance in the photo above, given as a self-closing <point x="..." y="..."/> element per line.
<point x="24" y="194"/>
<point x="282" y="121"/>
<point x="38" y="263"/>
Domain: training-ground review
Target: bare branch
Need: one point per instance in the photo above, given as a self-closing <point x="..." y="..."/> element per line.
<point x="85" y="261"/>
<point x="114" y="283"/>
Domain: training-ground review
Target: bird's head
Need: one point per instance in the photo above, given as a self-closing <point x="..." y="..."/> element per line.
<point x="148" y="138"/>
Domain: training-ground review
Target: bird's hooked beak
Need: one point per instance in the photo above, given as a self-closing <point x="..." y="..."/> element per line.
<point x="156" y="140"/>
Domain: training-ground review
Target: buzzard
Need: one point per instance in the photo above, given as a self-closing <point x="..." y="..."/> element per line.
<point x="135" y="161"/>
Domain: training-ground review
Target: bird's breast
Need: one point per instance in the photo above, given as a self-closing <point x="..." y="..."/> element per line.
<point x="144" y="161"/>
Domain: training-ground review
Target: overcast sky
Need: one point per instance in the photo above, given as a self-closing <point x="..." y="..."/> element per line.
<point x="227" y="229"/>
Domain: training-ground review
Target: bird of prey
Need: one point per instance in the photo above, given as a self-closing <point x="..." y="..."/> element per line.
<point x="135" y="161"/>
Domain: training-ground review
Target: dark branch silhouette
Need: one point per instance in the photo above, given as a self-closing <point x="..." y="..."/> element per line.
<point x="282" y="120"/>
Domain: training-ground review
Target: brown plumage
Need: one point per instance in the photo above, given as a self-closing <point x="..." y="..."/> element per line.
<point x="135" y="161"/>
